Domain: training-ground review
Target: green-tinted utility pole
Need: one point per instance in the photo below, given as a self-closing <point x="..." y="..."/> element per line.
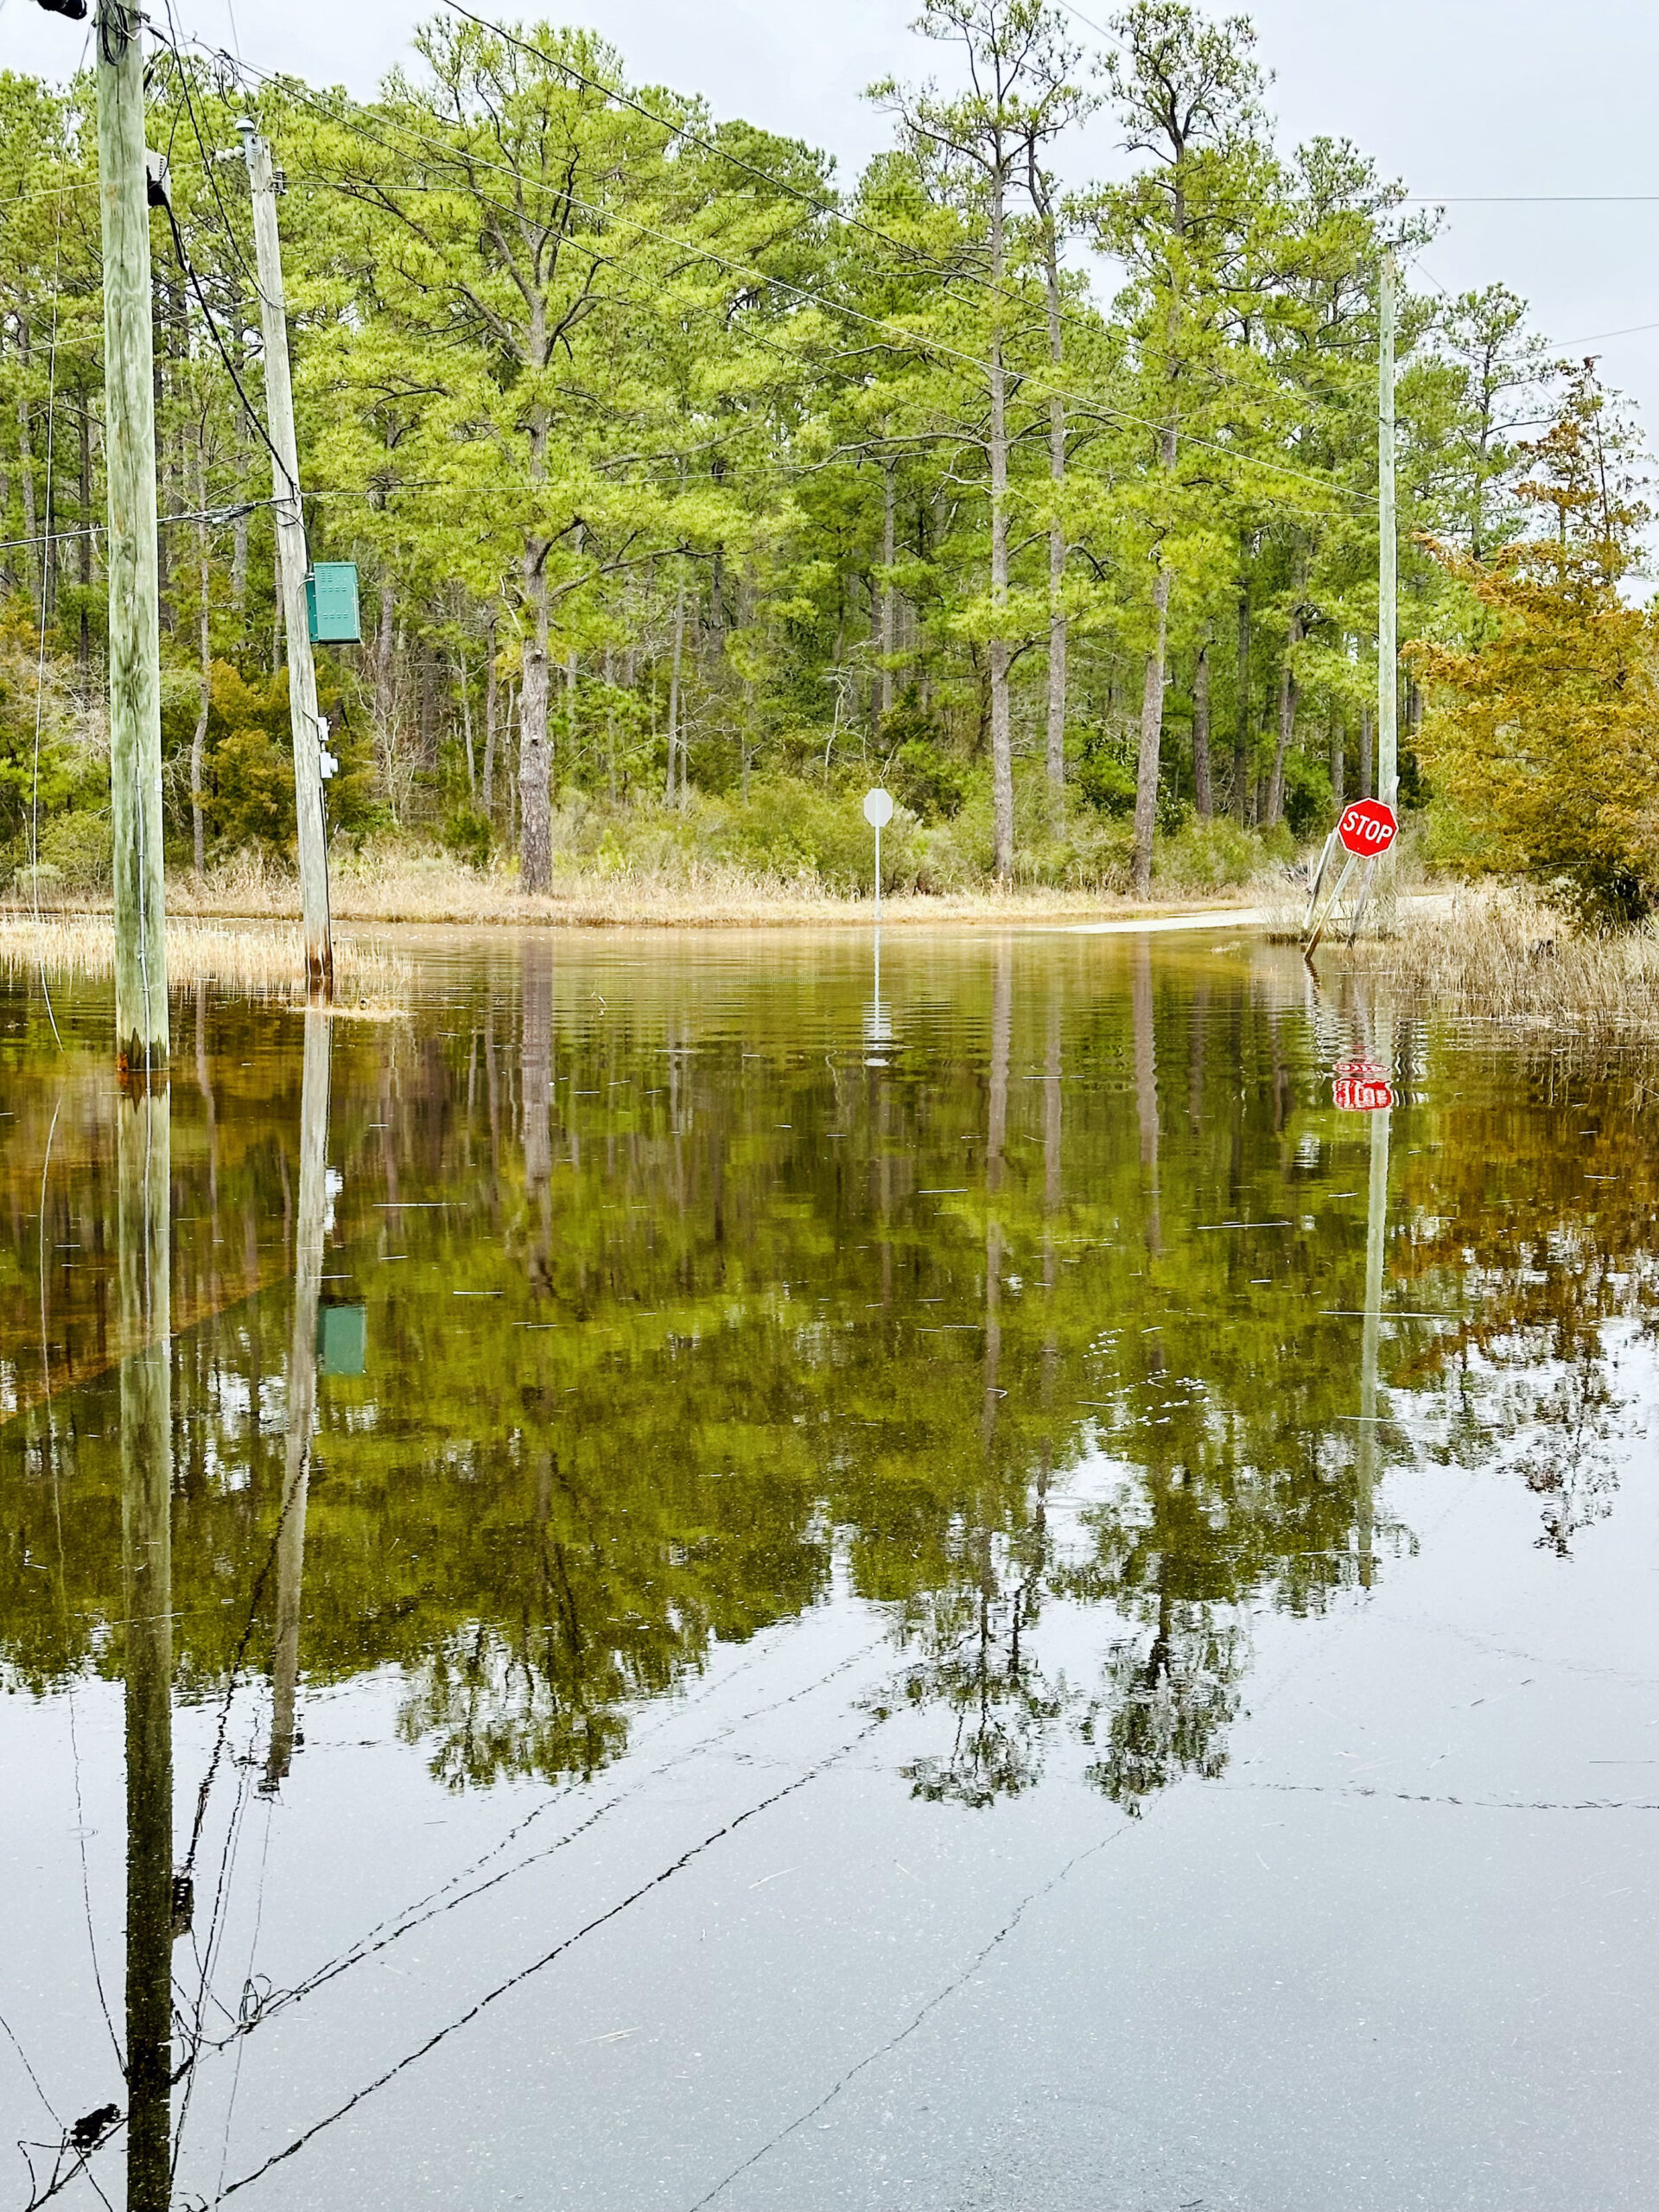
<point x="1387" y="767"/>
<point x="141" y="1032"/>
<point x="290" y="538"/>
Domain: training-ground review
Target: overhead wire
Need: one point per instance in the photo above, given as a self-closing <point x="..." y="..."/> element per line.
<point x="1531" y="199"/>
<point x="248" y="408"/>
<point x="50" y="192"/>
<point x="208" y="163"/>
<point x="211" y="516"/>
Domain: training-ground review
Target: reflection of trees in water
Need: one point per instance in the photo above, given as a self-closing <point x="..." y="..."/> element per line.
<point x="969" y="1648"/>
<point x="1570" y="1466"/>
<point x="1558" y="1425"/>
<point x="793" y="1321"/>
<point x="488" y="1704"/>
<point x="1165" y="1699"/>
<point x="1172" y="1557"/>
<point x="734" y="1298"/>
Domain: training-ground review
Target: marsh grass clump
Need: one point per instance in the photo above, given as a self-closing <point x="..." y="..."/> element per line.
<point x="1507" y="954"/>
<point x="266" y="962"/>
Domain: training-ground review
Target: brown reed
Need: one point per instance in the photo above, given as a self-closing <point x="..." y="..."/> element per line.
<point x="1504" y="954"/>
<point x="263" y="961"/>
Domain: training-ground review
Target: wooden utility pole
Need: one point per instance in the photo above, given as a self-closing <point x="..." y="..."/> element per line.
<point x="290" y="540"/>
<point x="1387" y="773"/>
<point x="141" y="1030"/>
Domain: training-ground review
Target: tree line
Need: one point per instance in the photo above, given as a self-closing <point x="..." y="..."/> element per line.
<point x="681" y="476"/>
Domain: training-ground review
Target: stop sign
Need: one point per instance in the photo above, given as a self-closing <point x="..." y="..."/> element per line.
<point x="1368" y="828"/>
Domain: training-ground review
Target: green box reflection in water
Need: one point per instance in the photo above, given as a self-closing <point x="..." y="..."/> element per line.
<point x="331" y="603"/>
<point x="342" y="1339"/>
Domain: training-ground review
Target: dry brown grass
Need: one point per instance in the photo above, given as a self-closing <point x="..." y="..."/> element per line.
<point x="392" y="885"/>
<point x="264" y="963"/>
<point x="1502" y="954"/>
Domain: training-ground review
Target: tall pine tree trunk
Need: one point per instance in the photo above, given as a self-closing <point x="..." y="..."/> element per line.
<point x="887" y="595"/>
<point x="1152" y="700"/>
<point x="610" y="730"/>
<point x="1055" y="748"/>
<point x="199" y="736"/>
<point x="34" y="566"/>
<point x="464" y="682"/>
<point x="491" y="721"/>
<point x="675" y="739"/>
<point x="1287" y="691"/>
<point x="1203" y="785"/>
<point x="535" y="820"/>
<point x="1152" y="730"/>
<point x="1242" y="722"/>
<point x="384" y="665"/>
<point x="85" y="549"/>
<point x="1002" y="729"/>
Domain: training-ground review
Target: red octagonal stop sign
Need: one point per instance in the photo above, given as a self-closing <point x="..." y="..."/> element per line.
<point x="1367" y="827"/>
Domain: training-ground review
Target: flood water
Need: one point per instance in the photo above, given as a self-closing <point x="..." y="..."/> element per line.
<point x="679" y="1582"/>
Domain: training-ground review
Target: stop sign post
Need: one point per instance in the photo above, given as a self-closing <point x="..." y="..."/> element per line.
<point x="1365" y="832"/>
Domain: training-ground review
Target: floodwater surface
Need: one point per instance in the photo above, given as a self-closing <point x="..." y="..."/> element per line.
<point x="676" y="1577"/>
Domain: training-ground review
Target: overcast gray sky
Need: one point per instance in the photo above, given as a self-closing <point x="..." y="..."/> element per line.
<point x="1457" y="97"/>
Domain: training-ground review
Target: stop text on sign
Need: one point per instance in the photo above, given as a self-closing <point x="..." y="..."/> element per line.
<point x="1368" y="828"/>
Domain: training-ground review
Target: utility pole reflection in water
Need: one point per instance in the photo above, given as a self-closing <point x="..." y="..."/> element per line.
<point x="1377" y="1222"/>
<point x="144" y="1174"/>
<point x="310" y="1229"/>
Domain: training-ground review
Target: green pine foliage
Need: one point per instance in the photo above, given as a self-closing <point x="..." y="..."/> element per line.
<point x="693" y="488"/>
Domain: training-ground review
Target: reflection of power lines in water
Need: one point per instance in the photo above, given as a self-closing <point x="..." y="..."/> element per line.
<point x="111" y="2121"/>
<point x="441" y="1900"/>
<point x="513" y="1980"/>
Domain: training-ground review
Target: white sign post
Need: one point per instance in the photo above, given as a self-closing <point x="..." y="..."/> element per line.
<point x="878" y="811"/>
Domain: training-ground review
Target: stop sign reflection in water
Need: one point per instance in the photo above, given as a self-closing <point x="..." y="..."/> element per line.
<point x="1355" y="1096"/>
<point x="1368" y="828"/>
<point x="1361" y="1087"/>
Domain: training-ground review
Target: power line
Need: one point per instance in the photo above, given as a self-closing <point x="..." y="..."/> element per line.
<point x="1630" y="330"/>
<point x="1531" y="199"/>
<point x="50" y="192"/>
<point x="1089" y="22"/>
<point x="208" y="163"/>
<point x="211" y="515"/>
<point x="218" y="343"/>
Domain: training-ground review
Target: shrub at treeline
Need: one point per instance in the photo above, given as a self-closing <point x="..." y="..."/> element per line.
<point x="691" y="490"/>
